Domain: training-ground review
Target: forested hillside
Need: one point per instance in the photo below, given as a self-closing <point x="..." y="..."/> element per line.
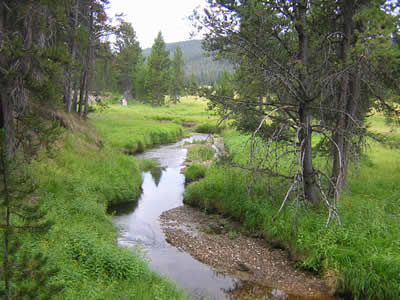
<point x="205" y="69"/>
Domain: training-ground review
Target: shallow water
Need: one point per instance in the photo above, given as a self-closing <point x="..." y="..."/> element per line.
<point x="163" y="190"/>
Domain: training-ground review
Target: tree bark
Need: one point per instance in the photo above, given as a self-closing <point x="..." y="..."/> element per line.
<point x="7" y="109"/>
<point x="340" y="157"/>
<point x="89" y="62"/>
<point x="7" y="106"/>
<point x="82" y="90"/>
<point x="305" y="136"/>
<point x="75" y="96"/>
<point x="69" y="68"/>
<point x="309" y="184"/>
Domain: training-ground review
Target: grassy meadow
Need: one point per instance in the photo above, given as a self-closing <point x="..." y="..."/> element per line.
<point x="363" y="253"/>
<point x="85" y="173"/>
<point x="138" y="126"/>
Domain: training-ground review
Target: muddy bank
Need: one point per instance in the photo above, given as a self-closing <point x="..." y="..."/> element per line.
<point x="214" y="241"/>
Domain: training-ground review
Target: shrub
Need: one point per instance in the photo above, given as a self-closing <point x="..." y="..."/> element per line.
<point x="194" y="173"/>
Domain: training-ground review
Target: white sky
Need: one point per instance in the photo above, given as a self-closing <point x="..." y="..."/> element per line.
<point x="148" y="17"/>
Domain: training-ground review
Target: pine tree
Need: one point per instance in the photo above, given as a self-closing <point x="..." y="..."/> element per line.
<point x="31" y="59"/>
<point x="24" y="274"/>
<point x="177" y="76"/>
<point x="191" y="86"/>
<point x="157" y="77"/>
<point x="127" y="58"/>
<point x="140" y="82"/>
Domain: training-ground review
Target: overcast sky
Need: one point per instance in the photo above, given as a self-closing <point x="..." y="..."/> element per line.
<point x="148" y="17"/>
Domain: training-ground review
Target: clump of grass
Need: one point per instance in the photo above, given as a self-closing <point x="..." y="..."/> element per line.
<point x="207" y="128"/>
<point x="200" y="153"/>
<point x="232" y="235"/>
<point x="194" y="173"/>
<point x="194" y="142"/>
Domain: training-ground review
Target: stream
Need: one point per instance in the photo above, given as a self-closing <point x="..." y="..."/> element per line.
<point x="139" y="224"/>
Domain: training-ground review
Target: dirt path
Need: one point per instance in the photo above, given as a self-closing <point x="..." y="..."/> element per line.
<point x="214" y="241"/>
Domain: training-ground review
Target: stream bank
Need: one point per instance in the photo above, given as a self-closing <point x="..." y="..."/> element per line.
<point x="214" y="241"/>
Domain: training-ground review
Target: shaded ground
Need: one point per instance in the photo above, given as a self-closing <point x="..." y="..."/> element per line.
<point x="213" y="240"/>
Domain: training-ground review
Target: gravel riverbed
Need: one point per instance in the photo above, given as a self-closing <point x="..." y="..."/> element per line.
<point x="214" y="241"/>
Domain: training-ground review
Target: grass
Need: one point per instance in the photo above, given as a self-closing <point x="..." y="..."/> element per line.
<point x="208" y="128"/>
<point x="86" y="174"/>
<point x="195" y="172"/>
<point x="138" y="126"/>
<point x="200" y="153"/>
<point x="364" y="251"/>
<point x="76" y="186"/>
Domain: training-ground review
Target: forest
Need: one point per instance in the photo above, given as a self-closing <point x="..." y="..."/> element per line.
<point x="274" y="140"/>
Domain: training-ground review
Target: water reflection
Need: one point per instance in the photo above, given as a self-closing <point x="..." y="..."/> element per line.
<point x="156" y="172"/>
<point x="122" y="208"/>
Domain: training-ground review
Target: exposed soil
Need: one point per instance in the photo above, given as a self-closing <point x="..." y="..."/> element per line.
<point x="215" y="241"/>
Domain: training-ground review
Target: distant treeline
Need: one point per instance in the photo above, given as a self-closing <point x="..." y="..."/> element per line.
<point x="205" y="69"/>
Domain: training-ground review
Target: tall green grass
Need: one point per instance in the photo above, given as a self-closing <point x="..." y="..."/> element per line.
<point x="364" y="251"/>
<point x="194" y="172"/>
<point x="76" y="186"/>
<point x="200" y="153"/>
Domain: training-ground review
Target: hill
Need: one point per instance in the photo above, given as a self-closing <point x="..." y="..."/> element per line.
<point x="204" y="68"/>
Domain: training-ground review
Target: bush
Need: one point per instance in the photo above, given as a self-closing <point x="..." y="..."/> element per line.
<point x="194" y="173"/>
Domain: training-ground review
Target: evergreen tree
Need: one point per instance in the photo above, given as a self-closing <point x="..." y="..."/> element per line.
<point x="140" y="82"/>
<point x="157" y="77"/>
<point x="224" y="87"/>
<point x="24" y="274"/>
<point x="177" y="76"/>
<point x="127" y="58"/>
<point x="105" y="71"/>
<point x="191" y="86"/>
<point x="320" y="63"/>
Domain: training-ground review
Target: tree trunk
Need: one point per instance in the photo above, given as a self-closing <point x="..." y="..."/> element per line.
<point x="309" y="184"/>
<point x="82" y="91"/>
<point x="69" y="68"/>
<point x="7" y="109"/>
<point x="305" y="136"/>
<point x="340" y="157"/>
<point x="75" y="97"/>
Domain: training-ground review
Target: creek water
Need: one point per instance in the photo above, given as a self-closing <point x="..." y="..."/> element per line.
<point x="138" y="224"/>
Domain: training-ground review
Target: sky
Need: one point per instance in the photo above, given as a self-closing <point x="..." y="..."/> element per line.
<point x="148" y="17"/>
